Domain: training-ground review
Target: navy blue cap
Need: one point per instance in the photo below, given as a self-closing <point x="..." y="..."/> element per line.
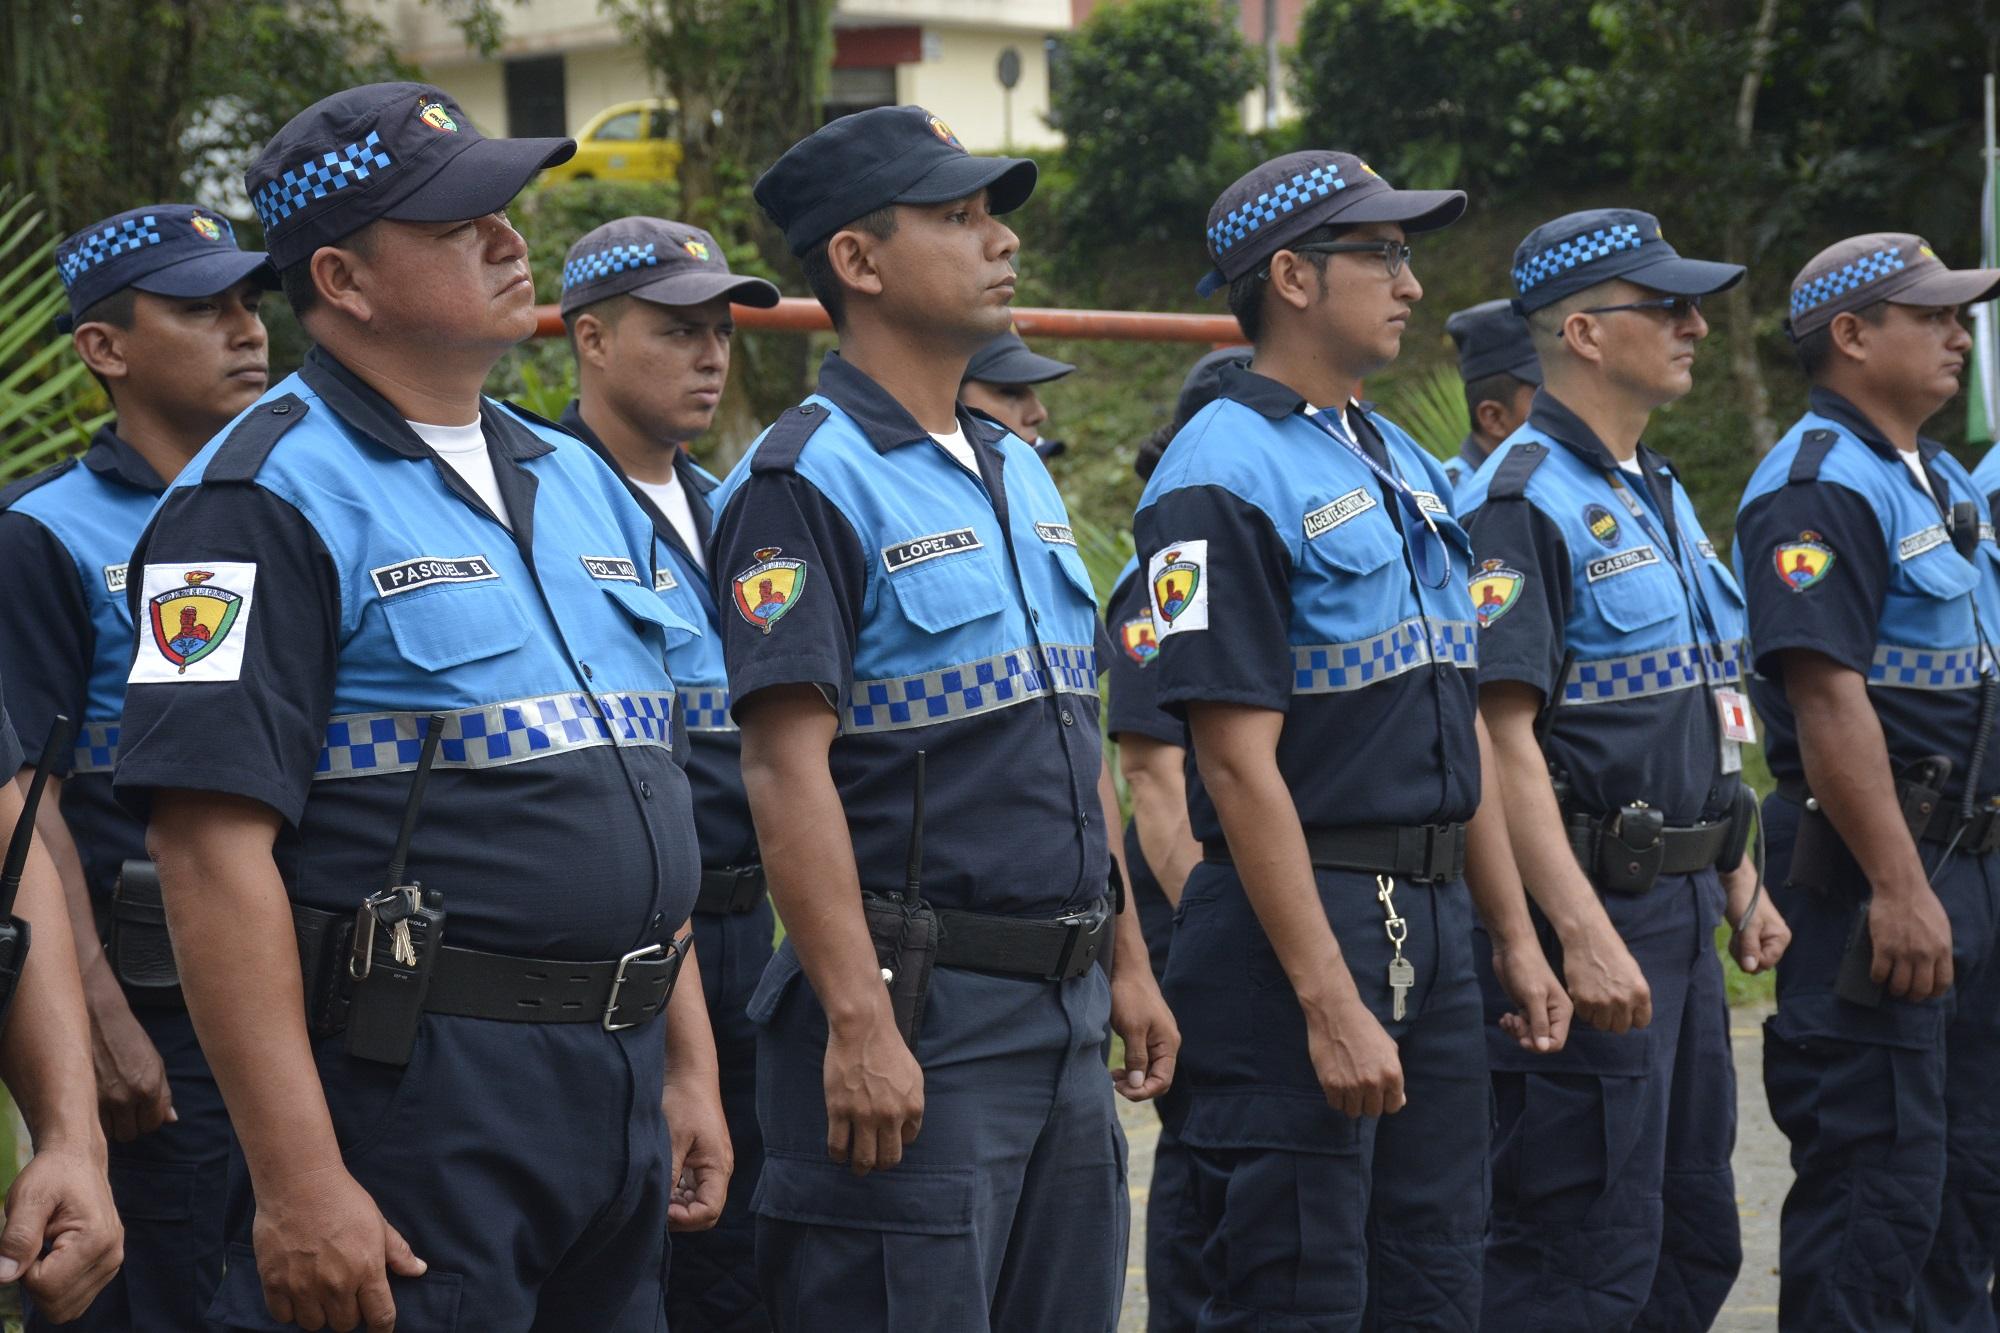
<point x="1881" y="266"/>
<point x="657" y="260"/>
<point x="165" y="249"/>
<point x="1493" y="339"/>
<point x="1269" y="208"/>
<point x="848" y="168"/>
<point x="384" y="150"/>
<point x="1580" y="250"/>
<point x="1202" y="386"/>
<point x="1007" y="360"/>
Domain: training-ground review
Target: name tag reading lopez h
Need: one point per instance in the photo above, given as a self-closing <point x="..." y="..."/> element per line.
<point x="919" y="549"/>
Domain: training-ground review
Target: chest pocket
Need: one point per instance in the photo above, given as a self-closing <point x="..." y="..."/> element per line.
<point x="657" y="622"/>
<point x="950" y="591"/>
<point x="1076" y="574"/>
<point x="1941" y="574"/>
<point x="1634" y="599"/>
<point x="449" y="626"/>
<point x="1359" y="545"/>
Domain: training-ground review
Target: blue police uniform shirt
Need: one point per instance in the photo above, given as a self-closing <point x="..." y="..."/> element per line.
<point x="1458" y="470"/>
<point x="714" y="755"/>
<point x="936" y="611"/>
<point x="317" y="582"/>
<point x="66" y="631"/>
<point x="1282" y="577"/>
<point x="1843" y="554"/>
<point x="1986" y="477"/>
<point x="1643" y="613"/>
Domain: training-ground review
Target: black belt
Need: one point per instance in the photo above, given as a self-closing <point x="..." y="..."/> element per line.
<point x="1682" y="850"/>
<point x="1055" y="949"/>
<point x="1425" y="853"/>
<point x="1980" y="834"/>
<point x="616" y="993"/>
<point x="730" y="890"/>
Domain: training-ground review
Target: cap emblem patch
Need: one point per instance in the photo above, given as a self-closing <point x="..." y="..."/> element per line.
<point x="943" y="131"/>
<point x="434" y="115"/>
<point x="695" y="248"/>
<point x="205" y="228"/>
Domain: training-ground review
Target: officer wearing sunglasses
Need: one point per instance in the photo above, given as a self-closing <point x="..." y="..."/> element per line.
<point x="1610" y="655"/>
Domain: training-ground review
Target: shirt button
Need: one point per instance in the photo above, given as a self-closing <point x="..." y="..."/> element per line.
<point x="1084" y="820"/>
<point x="588" y="674"/>
<point x="1069" y="718"/>
<point x="1035" y="616"/>
<point x="646" y="790"/>
<point x="281" y="409"/>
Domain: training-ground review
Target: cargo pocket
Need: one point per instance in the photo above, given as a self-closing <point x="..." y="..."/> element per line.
<point x="1635" y="598"/>
<point x="449" y="626"/>
<point x="659" y="624"/>
<point x="153" y="1191"/>
<point x="427" y="1304"/>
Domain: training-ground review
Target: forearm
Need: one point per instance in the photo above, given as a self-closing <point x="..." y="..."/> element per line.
<point x="1107" y="800"/>
<point x="1491" y="873"/>
<point x="45" y="1056"/>
<point x="1540" y="847"/>
<point x="53" y="830"/>
<point x="690" y="1039"/>
<point x="1847" y="767"/>
<point x="1158" y="782"/>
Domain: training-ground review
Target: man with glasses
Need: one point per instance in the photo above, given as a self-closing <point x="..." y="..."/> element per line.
<point x="1610" y="634"/>
<point x="1307" y="582"/>
<point x="1874" y="594"/>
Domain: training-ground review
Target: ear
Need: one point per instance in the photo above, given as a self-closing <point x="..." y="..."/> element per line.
<point x="1584" y="337"/>
<point x="342" y="278"/>
<point x="593" y="340"/>
<point x="1490" y="419"/>
<point x="1850" y="334"/>
<point x="1295" y="281"/>
<point x="102" y="348"/>
<point x="851" y="256"/>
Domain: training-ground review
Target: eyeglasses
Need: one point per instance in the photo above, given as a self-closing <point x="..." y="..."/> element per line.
<point x="1675" y="308"/>
<point x="1394" y="254"/>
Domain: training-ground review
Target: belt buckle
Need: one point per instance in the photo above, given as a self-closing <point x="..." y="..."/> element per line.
<point x="1076" y="923"/>
<point x="618" y="984"/>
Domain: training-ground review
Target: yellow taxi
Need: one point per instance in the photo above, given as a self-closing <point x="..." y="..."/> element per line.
<point x="631" y="141"/>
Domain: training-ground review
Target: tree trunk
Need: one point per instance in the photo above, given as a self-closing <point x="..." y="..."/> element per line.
<point x="1743" y="361"/>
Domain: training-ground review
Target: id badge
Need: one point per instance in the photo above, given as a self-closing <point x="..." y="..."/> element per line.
<point x="1737" y="723"/>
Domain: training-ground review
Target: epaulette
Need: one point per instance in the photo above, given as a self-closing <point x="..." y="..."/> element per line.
<point x="1510" y="479"/>
<point x="14" y="490"/>
<point x="1813" y="449"/>
<point x="781" y="446"/>
<point x="534" y="418"/>
<point x="243" y="452"/>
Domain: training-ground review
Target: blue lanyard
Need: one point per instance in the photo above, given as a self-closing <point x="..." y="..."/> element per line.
<point x="1427" y="555"/>
<point x="1690" y="579"/>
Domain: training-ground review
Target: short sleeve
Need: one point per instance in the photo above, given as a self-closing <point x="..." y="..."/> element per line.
<point x="11" y="758"/>
<point x="1219" y="579"/>
<point x="247" y="719"/>
<point x="789" y="579"/>
<point x="1522" y="593"/>
<point x="1815" y="573"/>
<point x="46" y="638"/>
<point x="1128" y="650"/>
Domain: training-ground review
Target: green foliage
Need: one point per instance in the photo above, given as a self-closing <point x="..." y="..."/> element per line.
<point x="1432" y="408"/>
<point x="1104" y="549"/>
<point x="1145" y="93"/>
<point x="49" y="405"/>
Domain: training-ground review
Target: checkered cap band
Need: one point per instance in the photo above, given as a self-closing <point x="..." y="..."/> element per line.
<point x="103" y="246"/>
<point x="1334" y="668"/>
<point x="365" y="744"/>
<point x="603" y="263"/>
<point x="1574" y="252"/>
<point x="1847" y="278"/>
<point x="1901" y="668"/>
<point x="1656" y="671"/>
<point x="971" y="688"/>
<point x="319" y="178"/>
<point x="1241" y="222"/>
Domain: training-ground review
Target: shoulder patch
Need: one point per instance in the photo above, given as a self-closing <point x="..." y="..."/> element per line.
<point x="243" y="452"/>
<point x="1510" y="478"/>
<point x="781" y="446"/>
<point x="1813" y="449"/>
<point x="14" y="490"/>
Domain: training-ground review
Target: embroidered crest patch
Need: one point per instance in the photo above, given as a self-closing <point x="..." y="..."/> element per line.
<point x="194" y="616"/>
<point x="1495" y="589"/>
<point x="1603" y="525"/>
<point x="1180" y="588"/>
<point x="1804" y="562"/>
<point x="1138" y="640"/>
<point x="769" y="588"/>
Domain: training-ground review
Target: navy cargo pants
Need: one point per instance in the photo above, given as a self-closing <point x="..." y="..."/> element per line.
<point x="1007" y="1213"/>
<point x="1893" y="1113"/>
<point x="1311" y="1221"/>
<point x="169" y="1187"/>
<point x="712" y="1281"/>
<point x="1614" y="1206"/>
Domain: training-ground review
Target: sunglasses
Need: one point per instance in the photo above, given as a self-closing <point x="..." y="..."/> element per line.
<point x="1676" y="308"/>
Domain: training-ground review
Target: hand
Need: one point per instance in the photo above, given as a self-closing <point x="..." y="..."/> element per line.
<point x="1605" y="983"/>
<point x="62" y="1199"/>
<point x="1912" y="938"/>
<point x="874" y="1095"/>
<point x="1541" y="1024"/>
<point x="703" y="1154"/>
<point x="1758" y="942"/>
<point x="325" y="1252"/>
<point x="1356" y="1061"/>
<point x="132" y="1093"/>
<point x="1140" y="1017"/>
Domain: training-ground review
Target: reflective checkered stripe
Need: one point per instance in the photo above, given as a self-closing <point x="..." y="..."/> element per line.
<point x="362" y="744"/>
<point x="1331" y="668"/>
<point x="706" y="710"/>
<point x="96" y="748"/>
<point x="104" y="246"/>
<point x="1660" y="671"/>
<point x="603" y="263"/>
<point x="1925" y="668"/>
<point x="1576" y="250"/>
<point x="972" y="688"/>
<point x="1237" y="225"/>
<point x="1846" y="278"/>
<point x="318" y="177"/>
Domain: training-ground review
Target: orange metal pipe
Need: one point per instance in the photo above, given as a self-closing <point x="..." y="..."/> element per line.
<point x="796" y="314"/>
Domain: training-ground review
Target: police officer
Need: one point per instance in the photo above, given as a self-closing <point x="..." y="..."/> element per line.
<point x="1496" y="359"/>
<point x="647" y="304"/>
<point x="1000" y="381"/>
<point x="1160" y="851"/>
<point x="1307" y="586"/>
<point x="1610" y="634"/>
<point x="941" y="1148"/>
<point x="1874" y="594"/>
<point x="163" y="309"/>
<point x="62" y="1238"/>
<point x="372" y="556"/>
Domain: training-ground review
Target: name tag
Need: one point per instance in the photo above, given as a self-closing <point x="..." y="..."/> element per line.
<point x="1331" y="515"/>
<point x="424" y="570"/>
<point x="1924" y="539"/>
<point x="1636" y="558"/>
<point x="919" y="549"/>
<point x="663" y="579"/>
<point x="611" y="568"/>
<point x="1706" y="547"/>
<point x="1057" y="533"/>
<point x="1428" y="501"/>
<point x="114" y="577"/>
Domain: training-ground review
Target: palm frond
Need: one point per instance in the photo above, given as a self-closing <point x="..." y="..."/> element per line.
<point x="1433" y="410"/>
<point x="48" y="403"/>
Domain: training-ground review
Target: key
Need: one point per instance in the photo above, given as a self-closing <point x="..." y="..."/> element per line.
<point x="395" y="913"/>
<point x="1402" y="976"/>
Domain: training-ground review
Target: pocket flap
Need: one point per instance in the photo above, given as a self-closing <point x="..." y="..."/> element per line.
<point x="1347" y="536"/>
<point x="1633" y="588"/>
<point x="944" y="594"/>
<point x="920" y="1200"/>
<point x="451" y="625"/>
<point x="1942" y="572"/>
<point x="427" y="1304"/>
<point x="647" y="606"/>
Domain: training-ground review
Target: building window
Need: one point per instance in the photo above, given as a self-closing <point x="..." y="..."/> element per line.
<point x="851" y="90"/>
<point x="536" y="104"/>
